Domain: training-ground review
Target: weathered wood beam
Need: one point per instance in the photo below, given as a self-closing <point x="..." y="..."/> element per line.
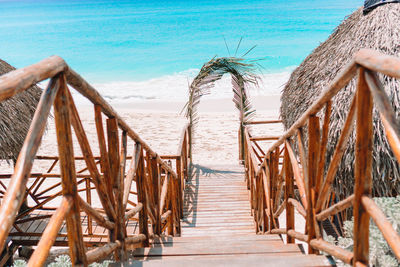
<point x="67" y="167"/>
<point x="49" y="235"/>
<point x="13" y="197"/>
<point x="362" y="169"/>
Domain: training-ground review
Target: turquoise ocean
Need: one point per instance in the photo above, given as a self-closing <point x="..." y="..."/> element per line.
<point x="148" y="49"/>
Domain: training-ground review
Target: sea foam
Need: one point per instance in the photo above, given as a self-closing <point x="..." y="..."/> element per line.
<point x="175" y="87"/>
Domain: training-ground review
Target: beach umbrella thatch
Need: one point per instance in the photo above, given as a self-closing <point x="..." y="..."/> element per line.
<point x="379" y="29"/>
<point x="15" y="117"/>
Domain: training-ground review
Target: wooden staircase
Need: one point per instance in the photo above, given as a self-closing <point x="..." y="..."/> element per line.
<point x="218" y="229"/>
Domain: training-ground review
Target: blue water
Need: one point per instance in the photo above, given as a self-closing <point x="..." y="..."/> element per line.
<point x="113" y="40"/>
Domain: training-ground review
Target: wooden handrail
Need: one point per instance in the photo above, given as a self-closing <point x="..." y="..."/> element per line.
<point x="19" y="80"/>
<point x="112" y="185"/>
<point x="83" y="87"/>
<point x="307" y="165"/>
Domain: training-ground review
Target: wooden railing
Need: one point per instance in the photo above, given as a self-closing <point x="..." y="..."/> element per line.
<point x="302" y="180"/>
<point x="147" y="190"/>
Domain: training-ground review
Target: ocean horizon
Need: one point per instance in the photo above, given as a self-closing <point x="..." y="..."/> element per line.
<point x="141" y="50"/>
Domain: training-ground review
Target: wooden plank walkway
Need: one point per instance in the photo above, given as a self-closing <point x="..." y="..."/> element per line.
<point x="218" y="229"/>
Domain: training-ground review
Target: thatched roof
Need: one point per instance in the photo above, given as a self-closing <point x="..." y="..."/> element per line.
<point x="15" y="117"/>
<point x="379" y="30"/>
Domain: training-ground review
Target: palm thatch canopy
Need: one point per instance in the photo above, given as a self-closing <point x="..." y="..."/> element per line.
<point x="15" y="117"/>
<point x="242" y="75"/>
<point x="380" y="30"/>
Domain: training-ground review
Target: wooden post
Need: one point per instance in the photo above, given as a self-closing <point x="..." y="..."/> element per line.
<point x="119" y="197"/>
<point x="313" y="158"/>
<point x="115" y="183"/>
<point x="180" y="186"/>
<point x="155" y="176"/>
<point x="140" y="180"/>
<point x="363" y="169"/>
<point x="104" y="160"/>
<point x="289" y="193"/>
<point x="68" y="175"/>
<point x="89" y="201"/>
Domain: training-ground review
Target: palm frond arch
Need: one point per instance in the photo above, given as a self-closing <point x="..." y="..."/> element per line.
<point x="242" y="76"/>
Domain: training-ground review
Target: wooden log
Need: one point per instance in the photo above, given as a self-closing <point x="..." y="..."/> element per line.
<point x="338" y="252"/>
<point x="13" y="197"/>
<point x="140" y="185"/>
<point x="337" y="156"/>
<point x="266" y="191"/>
<point x="313" y="157"/>
<point x="278" y="231"/>
<point x="281" y="208"/>
<point x="77" y="82"/>
<point x="104" y="158"/>
<point x="155" y="180"/>
<point x="40" y="254"/>
<point x="89" y="201"/>
<point x="135" y="239"/>
<point x="120" y="197"/>
<point x="280" y="182"/>
<point x="262" y="122"/>
<point x="274" y="187"/>
<point x="363" y="169"/>
<point x="166" y="157"/>
<point x="170" y="205"/>
<point x="297" y="174"/>
<point x="376" y="61"/>
<point x="133" y="211"/>
<point x="297" y="235"/>
<point x="19" y="80"/>
<point x="303" y="159"/>
<point x="181" y="186"/>
<point x="113" y="155"/>
<point x="390" y="235"/>
<point x="386" y="112"/>
<point x="175" y="206"/>
<point x="131" y="173"/>
<point x="96" y="215"/>
<point x="115" y="183"/>
<point x="100" y="253"/>
<point x="67" y="167"/>
<point x="289" y="194"/>
<point x="338" y="207"/>
<point x="263" y="138"/>
<point x="164" y="191"/>
<point x="298" y="207"/>
<point x="89" y="159"/>
<point x="323" y="146"/>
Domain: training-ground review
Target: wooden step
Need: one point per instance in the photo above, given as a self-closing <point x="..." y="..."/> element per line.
<point x="218" y="230"/>
<point x="279" y="260"/>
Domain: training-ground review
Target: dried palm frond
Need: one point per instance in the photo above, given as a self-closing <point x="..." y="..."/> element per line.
<point x="16" y="116"/>
<point x="242" y="75"/>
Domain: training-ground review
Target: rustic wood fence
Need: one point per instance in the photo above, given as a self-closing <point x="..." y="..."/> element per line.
<point x="147" y="191"/>
<point x="275" y="176"/>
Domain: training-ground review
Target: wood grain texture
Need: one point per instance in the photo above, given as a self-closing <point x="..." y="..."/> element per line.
<point x="67" y="167"/>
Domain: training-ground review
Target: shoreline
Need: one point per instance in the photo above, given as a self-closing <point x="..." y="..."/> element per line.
<point x="207" y="105"/>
